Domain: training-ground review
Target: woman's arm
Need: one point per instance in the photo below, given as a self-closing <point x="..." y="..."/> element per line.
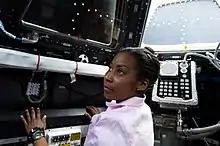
<point x="107" y="132"/>
<point x="40" y="142"/>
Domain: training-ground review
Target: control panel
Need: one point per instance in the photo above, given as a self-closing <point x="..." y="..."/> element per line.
<point x="69" y="136"/>
<point x="176" y="84"/>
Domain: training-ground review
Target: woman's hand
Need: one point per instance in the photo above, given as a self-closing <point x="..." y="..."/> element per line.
<point x="91" y="111"/>
<point x="32" y="119"/>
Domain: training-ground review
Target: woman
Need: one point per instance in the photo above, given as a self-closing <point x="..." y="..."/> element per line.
<point x="127" y="120"/>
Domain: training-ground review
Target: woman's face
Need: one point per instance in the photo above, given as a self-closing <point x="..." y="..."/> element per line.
<point x="120" y="82"/>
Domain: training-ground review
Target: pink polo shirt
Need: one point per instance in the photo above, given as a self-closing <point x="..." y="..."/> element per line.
<point x="128" y="123"/>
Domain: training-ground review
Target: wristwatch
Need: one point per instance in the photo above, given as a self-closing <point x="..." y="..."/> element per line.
<point x="35" y="134"/>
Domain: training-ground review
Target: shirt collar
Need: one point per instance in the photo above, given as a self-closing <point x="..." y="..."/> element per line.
<point x="134" y="101"/>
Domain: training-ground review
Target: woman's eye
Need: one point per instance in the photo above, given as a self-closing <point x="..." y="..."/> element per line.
<point x="120" y="72"/>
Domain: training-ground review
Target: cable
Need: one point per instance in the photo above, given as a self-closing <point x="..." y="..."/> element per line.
<point x="198" y="136"/>
<point x="23" y="40"/>
<point x="208" y="129"/>
<point x="195" y="133"/>
<point x="34" y="89"/>
<point x="211" y="57"/>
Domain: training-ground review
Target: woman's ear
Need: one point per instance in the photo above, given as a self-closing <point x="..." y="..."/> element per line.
<point x="143" y="85"/>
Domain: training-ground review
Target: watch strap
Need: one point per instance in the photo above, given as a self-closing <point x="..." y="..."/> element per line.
<point x="35" y="134"/>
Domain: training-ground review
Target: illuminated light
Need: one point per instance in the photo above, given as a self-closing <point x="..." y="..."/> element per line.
<point x="95" y="10"/>
<point x="88" y="10"/>
<point x="100" y="15"/>
<point x="111" y="21"/>
<point x="107" y="15"/>
<point x="164" y="23"/>
<point x="75" y="136"/>
<point x="181" y="29"/>
<point x="74" y="28"/>
<point x="197" y="18"/>
<point x="181" y="39"/>
<point x="83" y="4"/>
<point x="168" y="23"/>
<point x="184" y="34"/>
<point x="185" y="47"/>
<point x="74" y="4"/>
<point x="73" y="20"/>
<point x="184" y="25"/>
<point x="77" y="14"/>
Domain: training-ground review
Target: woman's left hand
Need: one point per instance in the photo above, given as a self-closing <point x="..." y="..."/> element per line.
<point x="91" y="111"/>
<point x="32" y="119"/>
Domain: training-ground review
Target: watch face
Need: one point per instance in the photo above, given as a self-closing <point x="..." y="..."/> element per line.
<point x="37" y="134"/>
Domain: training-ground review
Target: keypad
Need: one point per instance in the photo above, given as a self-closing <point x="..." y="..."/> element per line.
<point x="168" y="89"/>
<point x="177" y="88"/>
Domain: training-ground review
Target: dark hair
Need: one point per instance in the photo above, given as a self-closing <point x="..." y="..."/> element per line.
<point x="147" y="64"/>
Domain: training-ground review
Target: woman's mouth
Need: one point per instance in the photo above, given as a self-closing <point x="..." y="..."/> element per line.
<point x="108" y="89"/>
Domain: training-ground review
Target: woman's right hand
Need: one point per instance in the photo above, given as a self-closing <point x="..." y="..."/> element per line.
<point x="32" y="119"/>
<point x="91" y="111"/>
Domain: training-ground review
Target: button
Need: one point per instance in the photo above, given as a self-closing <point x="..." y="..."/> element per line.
<point x="181" y="80"/>
<point x="165" y="90"/>
<point x="160" y="93"/>
<point x="175" y="91"/>
<point x="169" y="94"/>
<point x="175" y="87"/>
<point x="182" y="84"/>
<point x="165" y="86"/>
<point x="161" y="90"/>
<point x="175" y="95"/>
<point x="175" y="83"/>
<point x="184" y="75"/>
<point x="161" y="83"/>
<point x="186" y="91"/>
<point x="187" y="96"/>
<point x="182" y="87"/>
<point x="170" y="90"/>
<point x="165" y="93"/>
<point x="161" y="86"/>
<point x="187" y="84"/>
<point x="187" y="80"/>
<point x="165" y="83"/>
<point x="183" y="70"/>
<point x="184" y="65"/>
<point x="187" y="88"/>
<point x="170" y="83"/>
<point x="170" y="87"/>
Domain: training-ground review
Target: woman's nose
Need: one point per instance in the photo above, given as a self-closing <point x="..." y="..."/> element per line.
<point x="108" y="77"/>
